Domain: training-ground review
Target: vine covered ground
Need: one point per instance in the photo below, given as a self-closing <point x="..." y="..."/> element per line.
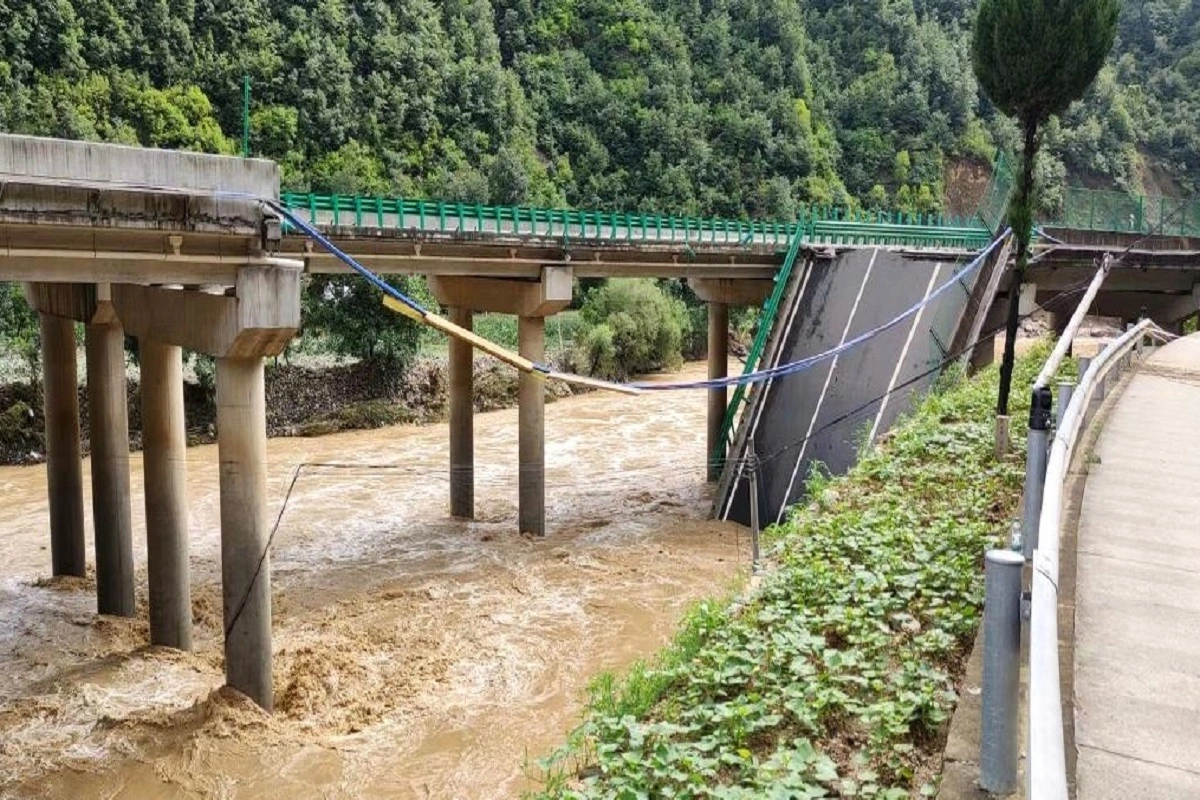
<point x="837" y="677"/>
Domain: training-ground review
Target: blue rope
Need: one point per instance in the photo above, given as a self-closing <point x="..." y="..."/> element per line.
<point x="803" y="364"/>
<point x="376" y="281"/>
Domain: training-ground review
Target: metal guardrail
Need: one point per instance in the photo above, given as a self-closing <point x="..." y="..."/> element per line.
<point x="815" y="225"/>
<point x="1046" y="769"/>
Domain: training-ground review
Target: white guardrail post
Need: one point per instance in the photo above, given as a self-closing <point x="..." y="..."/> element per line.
<point x="1046" y="769"/>
<point x="1040" y="410"/>
<point x="998" y="747"/>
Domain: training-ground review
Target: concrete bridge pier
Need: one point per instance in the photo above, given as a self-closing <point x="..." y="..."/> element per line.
<point x="720" y="294"/>
<point x="462" y="420"/>
<point x="108" y="419"/>
<point x="245" y="553"/>
<point x="718" y="367"/>
<point x="240" y="328"/>
<point x="531" y="301"/>
<point x="164" y="457"/>
<point x="64" y="470"/>
<point x="531" y="419"/>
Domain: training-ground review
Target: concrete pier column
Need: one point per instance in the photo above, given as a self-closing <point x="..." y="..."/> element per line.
<point x="108" y="420"/>
<point x="1027" y="303"/>
<point x="718" y="367"/>
<point x="531" y="444"/>
<point x="64" y="470"/>
<point x="462" y="421"/>
<point x="245" y="560"/>
<point x="164" y="445"/>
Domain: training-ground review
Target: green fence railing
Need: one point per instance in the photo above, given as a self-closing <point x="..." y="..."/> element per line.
<point x="1095" y="209"/>
<point x="814" y="224"/>
<point x="766" y="322"/>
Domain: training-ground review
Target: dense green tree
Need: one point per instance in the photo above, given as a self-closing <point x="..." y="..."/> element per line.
<point x="1033" y="60"/>
<point x="20" y="332"/>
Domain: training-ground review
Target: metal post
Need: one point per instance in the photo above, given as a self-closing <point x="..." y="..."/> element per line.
<point x="1036" y="456"/>
<point x="752" y="466"/>
<point x="1001" y="671"/>
<point x="1065" y="390"/>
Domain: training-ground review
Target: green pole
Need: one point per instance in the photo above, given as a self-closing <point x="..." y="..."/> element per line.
<point x="245" y="116"/>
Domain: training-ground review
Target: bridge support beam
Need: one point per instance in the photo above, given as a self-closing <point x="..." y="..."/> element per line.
<point x="164" y="447"/>
<point x="462" y="421"/>
<point x="720" y="294"/>
<point x="108" y="420"/>
<point x="531" y="302"/>
<point x="531" y="434"/>
<point x="245" y="560"/>
<point x="64" y="470"/>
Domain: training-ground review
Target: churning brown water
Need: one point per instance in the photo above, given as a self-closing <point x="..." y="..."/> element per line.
<point x="415" y="656"/>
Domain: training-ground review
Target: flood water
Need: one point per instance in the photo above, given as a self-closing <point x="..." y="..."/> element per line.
<point x="415" y="656"/>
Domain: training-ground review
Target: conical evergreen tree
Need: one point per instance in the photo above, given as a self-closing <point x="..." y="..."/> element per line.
<point x="1034" y="58"/>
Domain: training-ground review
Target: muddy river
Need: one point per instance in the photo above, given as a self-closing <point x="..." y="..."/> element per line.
<point x="415" y="656"/>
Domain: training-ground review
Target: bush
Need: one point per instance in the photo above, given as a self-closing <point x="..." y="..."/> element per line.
<point x="630" y="327"/>
<point x="20" y="331"/>
<point x="350" y="312"/>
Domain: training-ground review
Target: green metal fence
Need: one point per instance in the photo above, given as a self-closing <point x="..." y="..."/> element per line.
<point x="1095" y="210"/>
<point x="993" y="209"/>
<point x="766" y="323"/>
<point x="1089" y="209"/>
<point x="815" y="225"/>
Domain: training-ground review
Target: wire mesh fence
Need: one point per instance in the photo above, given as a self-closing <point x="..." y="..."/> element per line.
<point x="1095" y="209"/>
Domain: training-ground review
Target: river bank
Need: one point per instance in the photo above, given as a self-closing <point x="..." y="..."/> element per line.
<point x="838" y="674"/>
<point x="302" y="400"/>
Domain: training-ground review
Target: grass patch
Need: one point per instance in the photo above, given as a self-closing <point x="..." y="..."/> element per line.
<point x="837" y="678"/>
<point x="357" y="416"/>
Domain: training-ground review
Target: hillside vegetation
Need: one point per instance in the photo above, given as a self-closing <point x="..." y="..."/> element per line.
<point x="731" y="107"/>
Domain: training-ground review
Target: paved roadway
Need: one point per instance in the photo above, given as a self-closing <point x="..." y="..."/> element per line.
<point x="1137" y="640"/>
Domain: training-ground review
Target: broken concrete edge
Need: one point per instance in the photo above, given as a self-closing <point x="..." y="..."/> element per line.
<point x="34" y="159"/>
<point x="258" y="320"/>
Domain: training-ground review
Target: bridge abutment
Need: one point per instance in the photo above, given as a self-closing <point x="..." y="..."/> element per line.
<point x="64" y="469"/>
<point x="164" y="451"/>
<point x="108" y="421"/>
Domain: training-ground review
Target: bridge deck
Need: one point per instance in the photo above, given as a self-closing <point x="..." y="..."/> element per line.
<point x="1137" y="655"/>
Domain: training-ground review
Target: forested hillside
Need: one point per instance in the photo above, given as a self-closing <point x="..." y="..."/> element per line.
<point x="699" y="106"/>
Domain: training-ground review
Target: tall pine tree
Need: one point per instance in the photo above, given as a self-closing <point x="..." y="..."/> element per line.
<point x="1033" y="59"/>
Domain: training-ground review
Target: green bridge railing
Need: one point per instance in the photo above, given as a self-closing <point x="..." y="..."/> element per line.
<point x="814" y="224"/>
<point x="766" y="322"/>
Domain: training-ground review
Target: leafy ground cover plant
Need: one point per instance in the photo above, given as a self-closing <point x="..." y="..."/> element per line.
<point x="837" y="678"/>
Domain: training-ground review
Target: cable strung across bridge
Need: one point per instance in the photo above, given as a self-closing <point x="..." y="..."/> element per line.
<point x="401" y="303"/>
